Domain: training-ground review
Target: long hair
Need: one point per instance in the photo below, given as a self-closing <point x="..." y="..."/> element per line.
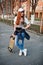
<point x="18" y="18"/>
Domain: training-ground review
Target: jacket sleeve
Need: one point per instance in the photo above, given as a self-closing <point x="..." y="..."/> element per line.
<point x="26" y="21"/>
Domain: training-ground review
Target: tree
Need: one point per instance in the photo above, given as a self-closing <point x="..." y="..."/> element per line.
<point x="34" y="4"/>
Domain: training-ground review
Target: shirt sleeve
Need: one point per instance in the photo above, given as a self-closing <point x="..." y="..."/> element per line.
<point x="26" y="21"/>
<point x="15" y="20"/>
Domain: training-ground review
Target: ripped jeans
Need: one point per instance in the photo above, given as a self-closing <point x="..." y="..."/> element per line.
<point x="20" y="36"/>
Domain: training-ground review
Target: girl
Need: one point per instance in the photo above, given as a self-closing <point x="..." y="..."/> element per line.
<point x="19" y="23"/>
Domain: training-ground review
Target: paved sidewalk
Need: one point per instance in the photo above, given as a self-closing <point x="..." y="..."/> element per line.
<point x="34" y="46"/>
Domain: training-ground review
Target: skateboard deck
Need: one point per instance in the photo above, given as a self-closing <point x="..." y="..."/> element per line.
<point x="11" y="43"/>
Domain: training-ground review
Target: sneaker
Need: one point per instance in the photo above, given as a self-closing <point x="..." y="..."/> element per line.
<point x="25" y="52"/>
<point x="20" y="53"/>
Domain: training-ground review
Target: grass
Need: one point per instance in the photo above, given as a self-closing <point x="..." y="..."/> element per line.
<point x="33" y="27"/>
<point x="9" y="22"/>
<point x="37" y="19"/>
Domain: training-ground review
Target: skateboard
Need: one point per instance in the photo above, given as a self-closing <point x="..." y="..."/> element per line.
<point x="11" y="43"/>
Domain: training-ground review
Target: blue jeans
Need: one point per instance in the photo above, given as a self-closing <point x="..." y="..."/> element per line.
<point x="20" y="36"/>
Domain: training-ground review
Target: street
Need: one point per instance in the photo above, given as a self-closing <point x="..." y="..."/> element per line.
<point x="34" y="47"/>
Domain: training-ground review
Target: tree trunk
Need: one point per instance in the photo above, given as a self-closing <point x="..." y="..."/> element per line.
<point x="28" y="9"/>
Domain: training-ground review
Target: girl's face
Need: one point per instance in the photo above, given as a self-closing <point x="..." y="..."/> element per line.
<point x="22" y="13"/>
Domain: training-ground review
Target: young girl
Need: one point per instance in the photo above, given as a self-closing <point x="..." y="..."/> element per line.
<point x="19" y="23"/>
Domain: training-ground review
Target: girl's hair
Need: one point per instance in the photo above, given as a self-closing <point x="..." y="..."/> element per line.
<point x="18" y="18"/>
